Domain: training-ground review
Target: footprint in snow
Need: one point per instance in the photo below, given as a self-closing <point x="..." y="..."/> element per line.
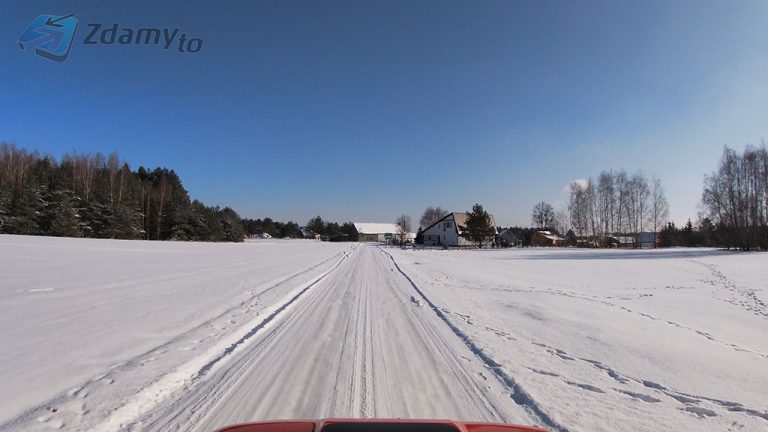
<point x="699" y="411"/>
<point x="639" y="396"/>
<point x="543" y="372"/>
<point x="653" y="385"/>
<point x="683" y="399"/>
<point x="586" y="387"/>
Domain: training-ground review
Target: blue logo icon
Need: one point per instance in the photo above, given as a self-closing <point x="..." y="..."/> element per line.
<point x="50" y="35"/>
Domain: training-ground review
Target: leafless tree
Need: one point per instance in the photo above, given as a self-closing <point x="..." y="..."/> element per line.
<point x="431" y="215"/>
<point x="403" y="223"/>
<point x="543" y="215"/>
<point x="736" y="197"/>
<point x="641" y="194"/>
<point x="606" y="202"/>
<point x="635" y="194"/>
<point x="84" y="168"/>
<point x="123" y="182"/>
<point x="163" y="192"/>
<point x="582" y="208"/>
<point x="659" y="207"/>
<point x="113" y="170"/>
<point x="562" y="220"/>
<point x="15" y="165"/>
<point x="622" y="190"/>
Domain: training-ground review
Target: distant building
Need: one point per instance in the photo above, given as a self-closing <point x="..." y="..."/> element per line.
<point x="507" y="238"/>
<point x="573" y="240"/>
<point x="621" y="241"/>
<point x="648" y="240"/>
<point x="447" y="231"/>
<point x="309" y="234"/>
<point x="546" y="238"/>
<point x="376" y="232"/>
<point x="643" y="240"/>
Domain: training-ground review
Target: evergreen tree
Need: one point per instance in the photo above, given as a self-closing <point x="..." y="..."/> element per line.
<point x="65" y="220"/>
<point x="231" y="226"/>
<point x="94" y="217"/>
<point x="91" y="196"/>
<point x="198" y="221"/>
<point x="349" y="231"/>
<point x="316" y="225"/>
<point x="124" y="223"/>
<point x="290" y="230"/>
<point x="270" y="227"/>
<point x="214" y="225"/>
<point x="5" y="208"/>
<point x="26" y="210"/>
<point x="419" y="237"/>
<point x="478" y="228"/>
<point x="333" y="231"/>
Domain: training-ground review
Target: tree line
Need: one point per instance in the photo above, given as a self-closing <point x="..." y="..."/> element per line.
<point x="85" y="195"/>
<point x="274" y="228"/>
<point x="734" y="202"/>
<point x="617" y="203"/>
<point x="332" y="231"/>
<point x="735" y="199"/>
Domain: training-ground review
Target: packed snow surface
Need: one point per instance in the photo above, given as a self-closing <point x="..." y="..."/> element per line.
<point x="127" y="335"/>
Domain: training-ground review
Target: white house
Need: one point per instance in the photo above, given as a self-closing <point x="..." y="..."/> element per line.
<point x="376" y="232"/>
<point x="447" y="231"/>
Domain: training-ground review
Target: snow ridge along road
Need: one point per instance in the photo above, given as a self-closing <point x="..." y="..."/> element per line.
<point x="353" y="345"/>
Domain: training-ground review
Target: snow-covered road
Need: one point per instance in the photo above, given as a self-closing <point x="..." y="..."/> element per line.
<point x="357" y="344"/>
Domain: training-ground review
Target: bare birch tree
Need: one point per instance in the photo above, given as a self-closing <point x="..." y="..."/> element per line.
<point x="659" y="208"/>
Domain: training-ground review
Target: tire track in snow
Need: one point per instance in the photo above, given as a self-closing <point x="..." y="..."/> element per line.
<point x="134" y="412"/>
<point x="353" y="346"/>
<point x="519" y="395"/>
<point x="446" y="356"/>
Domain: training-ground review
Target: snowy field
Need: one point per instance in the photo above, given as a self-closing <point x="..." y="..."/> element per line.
<point x="615" y="340"/>
<point x="126" y="335"/>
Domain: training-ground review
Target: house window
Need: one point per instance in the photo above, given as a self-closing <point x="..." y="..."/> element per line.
<point x="447" y="224"/>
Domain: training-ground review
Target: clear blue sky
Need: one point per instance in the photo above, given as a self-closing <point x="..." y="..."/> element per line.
<point x="363" y="110"/>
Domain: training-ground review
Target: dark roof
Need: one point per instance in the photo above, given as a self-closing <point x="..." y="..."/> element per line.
<point x="460" y="218"/>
